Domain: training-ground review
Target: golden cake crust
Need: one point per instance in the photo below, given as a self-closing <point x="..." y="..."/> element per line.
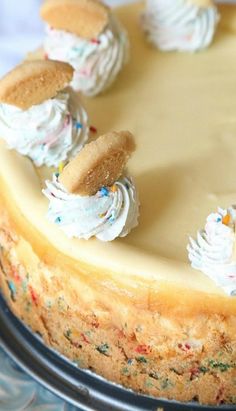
<point x="33" y="82"/>
<point x="86" y="18"/>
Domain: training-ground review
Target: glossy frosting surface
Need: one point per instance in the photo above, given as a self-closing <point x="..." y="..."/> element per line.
<point x="182" y="111"/>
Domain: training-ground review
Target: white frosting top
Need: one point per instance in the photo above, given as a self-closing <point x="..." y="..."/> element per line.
<point x="213" y="250"/>
<point x="179" y="24"/>
<point x="48" y="133"/>
<point x="110" y="213"/>
<point x="96" y="62"/>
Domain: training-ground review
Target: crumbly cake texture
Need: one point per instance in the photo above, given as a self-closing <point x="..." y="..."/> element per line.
<point x="134" y="310"/>
<point x="86" y="18"/>
<point x="33" y="82"/>
<point x="124" y="336"/>
<point x="100" y="163"/>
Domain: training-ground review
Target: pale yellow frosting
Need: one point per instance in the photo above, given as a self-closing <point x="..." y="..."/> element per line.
<point x="182" y="110"/>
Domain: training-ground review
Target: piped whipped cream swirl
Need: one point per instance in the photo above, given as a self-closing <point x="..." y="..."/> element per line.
<point x="49" y="133"/>
<point x="96" y="62"/>
<point x="179" y="24"/>
<point x="213" y="251"/>
<point x="110" y="213"/>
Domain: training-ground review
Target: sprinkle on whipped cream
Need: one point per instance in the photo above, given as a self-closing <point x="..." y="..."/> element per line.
<point x="48" y="133"/>
<point x="112" y="212"/>
<point x="213" y="251"/>
<point x="179" y="24"/>
<point x="97" y="61"/>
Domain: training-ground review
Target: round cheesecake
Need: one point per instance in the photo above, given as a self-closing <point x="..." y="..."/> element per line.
<point x="133" y="310"/>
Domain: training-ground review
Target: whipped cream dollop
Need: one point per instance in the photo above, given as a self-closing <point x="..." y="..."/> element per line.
<point x="110" y="213"/>
<point x="49" y="133"/>
<point x="96" y="62"/>
<point x="213" y="251"/>
<point x="179" y="24"/>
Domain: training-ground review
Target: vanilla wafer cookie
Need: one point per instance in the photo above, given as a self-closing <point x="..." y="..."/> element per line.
<point x="40" y="117"/>
<point x="33" y="82"/>
<point x="93" y="196"/>
<point x="86" y="18"/>
<point x="99" y="164"/>
<point x="86" y="34"/>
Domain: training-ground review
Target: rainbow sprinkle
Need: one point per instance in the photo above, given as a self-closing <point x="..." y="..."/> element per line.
<point x="113" y="188"/>
<point x="12" y="289"/>
<point x="112" y="217"/>
<point x="104" y="192"/>
<point x="78" y="125"/>
<point x="103" y="349"/>
<point x="95" y="41"/>
<point x="93" y="129"/>
<point x="143" y="349"/>
<point x="33" y="294"/>
<point x="141" y="359"/>
<point x="16" y="274"/>
<point x="226" y="219"/>
<point x="60" y="167"/>
<point x="85" y="339"/>
<point x="101" y="215"/>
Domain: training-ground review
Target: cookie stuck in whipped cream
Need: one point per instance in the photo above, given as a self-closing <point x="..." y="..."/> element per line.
<point x="181" y="25"/>
<point x="85" y="18"/>
<point x="33" y="82"/>
<point x="213" y="251"/>
<point x="99" y="164"/>
<point x="40" y="116"/>
<point x="92" y="196"/>
<point x="85" y="34"/>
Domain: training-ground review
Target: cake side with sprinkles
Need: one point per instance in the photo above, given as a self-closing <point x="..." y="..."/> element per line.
<point x="161" y="355"/>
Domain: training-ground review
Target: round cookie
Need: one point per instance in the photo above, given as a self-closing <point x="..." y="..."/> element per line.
<point x="33" y="82"/>
<point x="99" y="164"/>
<point x="86" y="18"/>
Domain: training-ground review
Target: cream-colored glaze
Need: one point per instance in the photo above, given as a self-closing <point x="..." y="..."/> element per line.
<point x="182" y="111"/>
<point x="202" y="3"/>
